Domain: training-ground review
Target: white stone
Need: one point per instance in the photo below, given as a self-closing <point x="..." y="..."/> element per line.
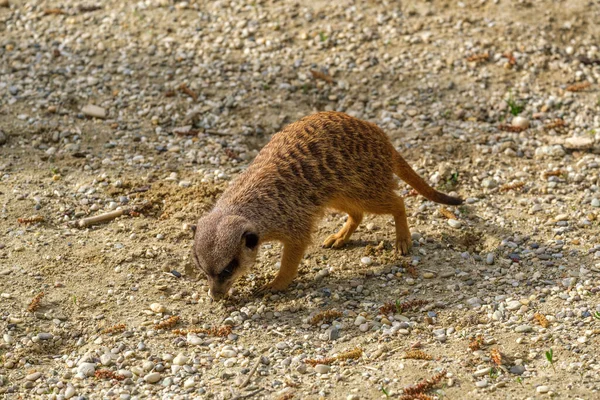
<point x="482" y="372"/>
<point x="195" y="340"/>
<point x="520" y="122"/>
<point x="180" y="359"/>
<point x="94" y="111"/>
<point x="542" y="389"/>
<point x="579" y="142"/>
<point x="230" y="362"/>
<point x="189" y="383"/>
<point x="482" y="383"/>
<point x="34" y="376"/>
<point x="69" y="392"/>
<point x="158" y="308"/>
<point x="106" y="359"/>
<point x="152" y="378"/>
<point x="227" y="353"/>
<point x="86" y="369"/>
<point x="454" y="223"/>
<point x="322" y="368"/>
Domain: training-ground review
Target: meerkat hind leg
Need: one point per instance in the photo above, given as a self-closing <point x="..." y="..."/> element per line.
<point x="393" y="204"/>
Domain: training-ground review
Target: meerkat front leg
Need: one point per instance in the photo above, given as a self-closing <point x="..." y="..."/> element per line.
<point x="290" y="259"/>
<point x="342" y="237"/>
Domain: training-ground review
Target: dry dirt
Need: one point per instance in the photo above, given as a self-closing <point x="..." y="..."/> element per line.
<point x="448" y="110"/>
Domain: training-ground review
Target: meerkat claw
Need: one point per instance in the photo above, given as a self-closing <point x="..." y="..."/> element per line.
<point x="334" y="242"/>
<point x="403" y="246"/>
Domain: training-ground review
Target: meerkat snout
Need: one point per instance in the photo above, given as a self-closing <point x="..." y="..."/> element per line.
<point x="225" y="247"/>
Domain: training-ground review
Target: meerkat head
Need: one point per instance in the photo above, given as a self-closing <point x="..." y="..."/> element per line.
<point x="225" y="247"/>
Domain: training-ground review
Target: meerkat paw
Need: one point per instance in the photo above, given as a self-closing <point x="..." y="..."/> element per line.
<point x="403" y="245"/>
<point x="272" y="286"/>
<point x="334" y="241"/>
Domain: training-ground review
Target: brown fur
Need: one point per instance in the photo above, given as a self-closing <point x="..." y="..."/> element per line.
<point x="325" y="160"/>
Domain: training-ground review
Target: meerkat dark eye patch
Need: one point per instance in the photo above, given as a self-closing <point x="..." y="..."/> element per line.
<point x="228" y="271"/>
<point x="251" y="239"/>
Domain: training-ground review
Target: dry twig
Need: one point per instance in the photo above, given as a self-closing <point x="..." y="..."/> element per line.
<point x="108" y="374"/>
<point x="35" y="302"/>
<point x="185" y="89"/>
<point x="417" y="396"/>
<point x="541" y="319"/>
<point x="476" y="343"/>
<point x="167" y="323"/>
<point x="99" y="219"/>
<point x="252" y="371"/>
<point x="578" y="87"/>
<point x="478" y="58"/>
<point x="447" y="213"/>
<point x="349" y="355"/>
<point x="286" y="396"/>
<point x="556" y="172"/>
<point x="425" y="385"/>
<point x="417" y="355"/>
<point x="31" y="220"/>
<point x="511" y="59"/>
<point x="114" y="329"/>
<point x="322" y="76"/>
<point x="496" y="356"/>
<point x="512" y="186"/>
<point x="389" y="308"/>
<point x="511" y="128"/>
<point x="325" y="317"/>
<point x="557" y="123"/>
<point x="54" y="11"/>
<point x="222" y="331"/>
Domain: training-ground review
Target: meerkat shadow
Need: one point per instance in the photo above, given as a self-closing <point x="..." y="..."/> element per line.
<point x="351" y="245"/>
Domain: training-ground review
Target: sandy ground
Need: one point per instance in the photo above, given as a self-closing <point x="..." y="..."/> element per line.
<point x="525" y="245"/>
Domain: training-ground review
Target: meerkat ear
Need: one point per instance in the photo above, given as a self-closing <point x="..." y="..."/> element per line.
<point x="251" y="239"/>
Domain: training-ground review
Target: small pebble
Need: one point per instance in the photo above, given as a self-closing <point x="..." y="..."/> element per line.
<point x="454" y="223"/>
<point x="94" y="111"/>
<point x="152" y="377"/>
<point x="322" y="368"/>
<point x="542" y="389"/>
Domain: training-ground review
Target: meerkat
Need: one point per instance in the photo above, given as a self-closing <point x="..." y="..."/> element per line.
<point x="325" y="160"/>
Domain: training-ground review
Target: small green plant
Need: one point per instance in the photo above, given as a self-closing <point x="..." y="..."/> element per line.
<point x="305" y="88"/>
<point x="596" y="314"/>
<point x="550" y="358"/>
<point x="54" y="170"/>
<point x="322" y="36"/>
<point x="515" y="108"/>
<point x="384" y="391"/>
<point x="74" y="300"/>
<point x="519" y="380"/>
<point x="398" y="307"/>
<point x="266" y="86"/>
<point x="494" y="374"/>
<point x="453" y="180"/>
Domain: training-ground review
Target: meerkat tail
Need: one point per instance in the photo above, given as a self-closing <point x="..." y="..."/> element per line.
<point x="408" y="175"/>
